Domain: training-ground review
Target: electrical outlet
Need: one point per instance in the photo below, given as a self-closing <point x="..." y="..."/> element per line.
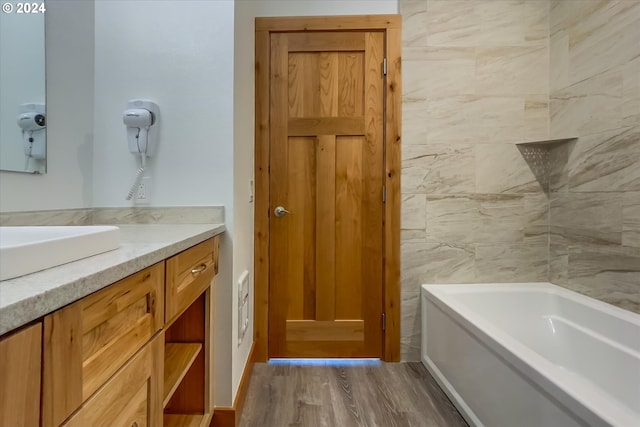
<point x="144" y="191"/>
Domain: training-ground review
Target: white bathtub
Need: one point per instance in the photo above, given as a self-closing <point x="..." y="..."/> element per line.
<point x="532" y="354"/>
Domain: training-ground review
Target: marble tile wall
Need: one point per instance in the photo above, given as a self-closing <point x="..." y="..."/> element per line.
<point x="595" y="182"/>
<point x="475" y="82"/>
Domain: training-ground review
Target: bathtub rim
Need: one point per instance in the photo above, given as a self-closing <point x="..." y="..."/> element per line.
<point x="578" y="396"/>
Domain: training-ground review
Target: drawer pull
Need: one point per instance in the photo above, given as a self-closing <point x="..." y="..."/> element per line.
<point x="200" y="269"/>
<point x="135" y="424"/>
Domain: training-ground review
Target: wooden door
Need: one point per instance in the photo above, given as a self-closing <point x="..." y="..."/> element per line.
<point x="326" y="169"/>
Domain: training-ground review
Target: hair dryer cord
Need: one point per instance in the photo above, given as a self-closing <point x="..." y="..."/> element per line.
<point x="138" y="178"/>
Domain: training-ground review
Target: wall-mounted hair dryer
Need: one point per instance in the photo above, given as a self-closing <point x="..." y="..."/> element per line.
<point x="139" y="117"/>
<point x="32" y="120"/>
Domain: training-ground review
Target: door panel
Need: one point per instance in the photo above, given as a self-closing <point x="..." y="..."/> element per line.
<point x="326" y="168"/>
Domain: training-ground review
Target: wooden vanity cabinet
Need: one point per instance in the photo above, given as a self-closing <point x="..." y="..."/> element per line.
<point x="132" y="397"/>
<point x="86" y="342"/>
<point x="189" y="274"/>
<point x="136" y="353"/>
<point x="20" y="358"/>
<point x="187" y="335"/>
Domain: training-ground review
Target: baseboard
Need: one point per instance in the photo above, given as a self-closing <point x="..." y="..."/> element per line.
<point x="230" y="416"/>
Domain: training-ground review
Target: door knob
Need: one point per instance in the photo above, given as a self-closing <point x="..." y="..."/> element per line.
<point x="279" y="211"/>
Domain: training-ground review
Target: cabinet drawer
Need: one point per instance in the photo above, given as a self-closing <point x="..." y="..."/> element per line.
<point x="86" y="342"/>
<point x="20" y="355"/>
<point x="132" y="397"/>
<point x="188" y="275"/>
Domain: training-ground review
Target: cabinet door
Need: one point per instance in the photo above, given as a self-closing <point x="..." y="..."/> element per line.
<point x="86" y="342"/>
<point x="20" y="378"/>
<point x="188" y="275"/>
<point x="132" y="397"/>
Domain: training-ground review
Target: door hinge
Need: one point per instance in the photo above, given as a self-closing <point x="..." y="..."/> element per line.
<point x="384" y="67"/>
<point x="384" y="321"/>
<point x="384" y="194"/>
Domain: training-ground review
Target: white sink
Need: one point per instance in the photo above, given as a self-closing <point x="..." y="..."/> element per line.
<point x="25" y="250"/>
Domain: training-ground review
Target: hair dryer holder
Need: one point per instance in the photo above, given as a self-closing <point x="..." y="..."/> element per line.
<point x="141" y="118"/>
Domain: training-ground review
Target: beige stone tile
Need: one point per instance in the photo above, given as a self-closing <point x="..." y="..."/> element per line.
<point x="559" y="61"/>
<point x="438" y="168"/>
<point x="608" y="273"/>
<point x="536" y="117"/>
<point x="631" y="219"/>
<point x="501" y="218"/>
<point x="498" y="119"/>
<point x="452" y="118"/>
<point x="413" y="235"/>
<point x="452" y="76"/>
<point x="582" y="210"/>
<point x="423" y="262"/>
<point x="439" y="53"/>
<point x="502" y="168"/>
<point x="452" y="218"/>
<point x="511" y="263"/>
<point x="414" y="216"/>
<point x="483" y="119"/>
<point x="536" y="218"/>
<point x="565" y="14"/>
<point x="415" y="77"/>
<point x="414" y="122"/>
<point x="606" y="161"/>
<point x="559" y="240"/>
<point x="606" y="38"/>
<point x="536" y="235"/>
<point x="558" y="260"/>
<point x="559" y="210"/>
<point x="452" y="23"/>
<point x="502" y="22"/>
<point x="513" y="22"/>
<point x="589" y="217"/>
<point x="558" y="250"/>
<point x="590" y="106"/>
<point x="536" y="21"/>
<point x="475" y="218"/>
<point x="511" y="71"/>
<point x="414" y="22"/>
<point x="410" y="325"/>
<point x="631" y="93"/>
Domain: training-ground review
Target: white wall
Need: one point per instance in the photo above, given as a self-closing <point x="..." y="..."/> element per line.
<point x="69" y="57"/>
<point x="243" y="161"/>
<point x="244" y="45"/>
<point x="179" y="54"/>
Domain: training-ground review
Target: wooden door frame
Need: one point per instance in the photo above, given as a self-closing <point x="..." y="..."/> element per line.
<point x="391" y="25"/>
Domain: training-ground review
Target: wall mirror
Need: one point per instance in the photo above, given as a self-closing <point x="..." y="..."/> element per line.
<point x="22" y="87"/>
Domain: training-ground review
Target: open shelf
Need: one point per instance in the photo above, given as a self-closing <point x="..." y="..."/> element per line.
<point x="548" y="141"/>
<point x="178" y="358"/>
<point x="182" y="420"/>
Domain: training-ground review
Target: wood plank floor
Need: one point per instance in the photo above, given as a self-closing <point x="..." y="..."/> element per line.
<point x="345" y="395"/>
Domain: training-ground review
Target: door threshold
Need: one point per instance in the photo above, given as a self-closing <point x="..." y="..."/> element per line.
<point x="325" y="362"/>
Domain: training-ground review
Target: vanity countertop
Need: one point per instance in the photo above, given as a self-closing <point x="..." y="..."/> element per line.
<point x="30" y="297"/>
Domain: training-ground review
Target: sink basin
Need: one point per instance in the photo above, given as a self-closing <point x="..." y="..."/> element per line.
<point x="25" y="250"/>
